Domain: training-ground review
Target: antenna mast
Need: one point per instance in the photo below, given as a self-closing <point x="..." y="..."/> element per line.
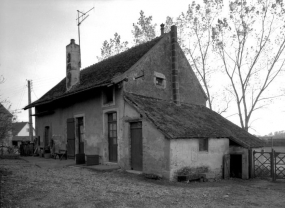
<point x="81" y="16"/>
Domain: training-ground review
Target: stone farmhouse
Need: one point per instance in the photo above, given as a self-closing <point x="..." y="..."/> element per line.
<point x="144" y="110"/>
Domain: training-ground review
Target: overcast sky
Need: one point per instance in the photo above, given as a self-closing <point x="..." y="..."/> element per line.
<point x="34" y="34"/>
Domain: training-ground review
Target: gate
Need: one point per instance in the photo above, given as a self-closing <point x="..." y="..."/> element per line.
<point x="279" y="165"/>
<point x="269" y="164"/>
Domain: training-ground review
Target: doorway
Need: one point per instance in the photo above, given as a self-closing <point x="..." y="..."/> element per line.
<point x="70" y="138"/>
<point x="136" y="146"/>
<point x="236" y="165"/>
<point x="80" y="135"/>
<point x="112" y="137"/>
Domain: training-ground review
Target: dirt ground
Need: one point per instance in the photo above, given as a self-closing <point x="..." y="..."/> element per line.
<point x="25" y="184"/>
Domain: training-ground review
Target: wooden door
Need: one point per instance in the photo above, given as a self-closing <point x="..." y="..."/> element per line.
<point x="226" y="166"/>
<point x="112" y="137"/>
<point x="136" y="146"/>
<point x="70" y="138"/>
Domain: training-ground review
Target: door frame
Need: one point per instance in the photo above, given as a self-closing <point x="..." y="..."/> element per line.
<point x="106" y="133"/>
<point x="79" y="141"/>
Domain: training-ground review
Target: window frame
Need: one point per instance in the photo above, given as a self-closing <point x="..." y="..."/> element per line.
<point x="104" y="96"/>
<point x="204" y="145"/>
<point x="162" y="78"/>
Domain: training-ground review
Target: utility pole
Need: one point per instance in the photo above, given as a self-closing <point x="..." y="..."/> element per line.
<point x="30" y="112"/>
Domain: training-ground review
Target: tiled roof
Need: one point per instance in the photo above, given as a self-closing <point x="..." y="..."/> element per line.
<point x="190" y="121"/>
<point x="4" y="111"/>
<point x="17" y="127"/>
<point x="99" y="74"/>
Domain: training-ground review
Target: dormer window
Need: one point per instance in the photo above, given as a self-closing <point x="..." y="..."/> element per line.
<point x="108" y="96"/>
<point x="159" y="80"/>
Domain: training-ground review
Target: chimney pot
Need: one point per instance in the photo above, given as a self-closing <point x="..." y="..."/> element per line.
<point x="162" y="29"/>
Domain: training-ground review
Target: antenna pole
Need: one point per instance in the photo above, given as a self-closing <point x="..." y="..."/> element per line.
<point x="78" y="24"/>
<point x="79" y="21"/>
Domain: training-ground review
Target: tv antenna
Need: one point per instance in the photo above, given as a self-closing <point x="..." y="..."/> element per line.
<point x="81" y="16"/>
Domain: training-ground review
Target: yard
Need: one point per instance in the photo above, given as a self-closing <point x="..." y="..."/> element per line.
<point x="25" y="184"/>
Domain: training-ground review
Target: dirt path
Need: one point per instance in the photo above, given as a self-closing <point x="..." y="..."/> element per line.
<point x="26" y="185"/>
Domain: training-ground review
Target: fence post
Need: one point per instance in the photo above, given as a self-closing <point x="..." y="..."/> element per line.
<point x="253" y="163"/>
<point x="272" y="160"/>
<point x="273" y="165"/>
<point x="250" y="163"/>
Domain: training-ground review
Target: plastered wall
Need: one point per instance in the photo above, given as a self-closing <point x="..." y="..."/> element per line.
<point x="158" y="59"/>
<point x="185" y="153"/>
<point x="95" y="122"/>
<point x="155" y="146"/>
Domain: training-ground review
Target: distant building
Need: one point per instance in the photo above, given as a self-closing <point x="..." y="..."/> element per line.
<point x="20" y="131"/>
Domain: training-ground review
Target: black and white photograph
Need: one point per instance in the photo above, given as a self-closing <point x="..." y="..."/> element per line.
<point x="132" y="103"/>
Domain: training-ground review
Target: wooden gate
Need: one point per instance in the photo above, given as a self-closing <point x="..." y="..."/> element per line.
<point x="269" y="164"/>
<point x="70" y="138"/>
<point x="279" y="165"/>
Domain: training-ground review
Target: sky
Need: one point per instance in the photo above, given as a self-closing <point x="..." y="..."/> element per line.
<point x="34" y="34"/>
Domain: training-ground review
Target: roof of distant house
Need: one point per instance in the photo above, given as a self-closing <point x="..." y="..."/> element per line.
<point x="4" y="111"/>
<point x="21" y="138"/>
<point x="99" y="74"/>
<point x="190" y="121"/>
<point x="17" y="127"/>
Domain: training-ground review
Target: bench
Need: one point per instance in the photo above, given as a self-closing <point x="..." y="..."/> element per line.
<point x="60" y="154"/>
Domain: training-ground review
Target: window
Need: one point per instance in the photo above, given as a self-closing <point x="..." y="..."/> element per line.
<point x="108" y="95"/>
<point x="203" y="144"/>
<point x="159" y="80"/>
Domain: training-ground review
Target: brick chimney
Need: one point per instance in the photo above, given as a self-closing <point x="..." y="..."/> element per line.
<point x="73" y="64"/>
<point x="174" y="65"/>
<point x="161" y="29"/>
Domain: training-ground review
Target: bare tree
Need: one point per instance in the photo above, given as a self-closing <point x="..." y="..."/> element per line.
<point x="251" y="46"/>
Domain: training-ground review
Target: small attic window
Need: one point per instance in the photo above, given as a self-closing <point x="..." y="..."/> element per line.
<point x="159" y="80"/>
<point x="108" y="96"/>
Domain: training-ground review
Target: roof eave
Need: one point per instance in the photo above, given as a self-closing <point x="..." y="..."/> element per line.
<point x="34" y="104"/>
